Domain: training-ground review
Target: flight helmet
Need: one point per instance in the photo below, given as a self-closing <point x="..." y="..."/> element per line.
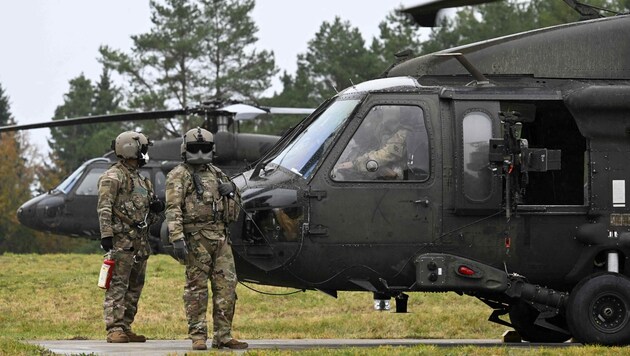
<point x="197" y="146"/>
<point x="132" y="145"/>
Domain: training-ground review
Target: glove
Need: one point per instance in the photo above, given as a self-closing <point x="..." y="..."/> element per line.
<point x="227" y="189"/>
<point x="156" y="206"/>
<point x="107" y="243"/>
<point x="179" y="250"/>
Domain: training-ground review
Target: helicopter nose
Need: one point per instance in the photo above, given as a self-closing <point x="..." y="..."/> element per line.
<point x="41" y="212"/>
<point x="26" y="214"/>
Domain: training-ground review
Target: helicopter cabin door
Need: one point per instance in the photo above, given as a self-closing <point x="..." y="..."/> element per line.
<point x="380" y="187"/>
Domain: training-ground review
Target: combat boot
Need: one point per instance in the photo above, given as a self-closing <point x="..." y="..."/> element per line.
<point x="199" y="344"/>
<point x="133" y="337"/>
<point x="117" y="336"/>
<point x="232" y="344"/>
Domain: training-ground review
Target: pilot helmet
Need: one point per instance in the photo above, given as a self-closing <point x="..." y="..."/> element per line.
<point x="132" y="145"/>
<point x="197" y="146"/>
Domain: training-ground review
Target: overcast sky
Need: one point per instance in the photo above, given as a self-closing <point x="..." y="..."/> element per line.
<point x="45" y="43"/>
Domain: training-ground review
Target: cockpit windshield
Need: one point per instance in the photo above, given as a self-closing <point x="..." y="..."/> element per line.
<point x="302" y="155"/>
<point x="68" y="183"/>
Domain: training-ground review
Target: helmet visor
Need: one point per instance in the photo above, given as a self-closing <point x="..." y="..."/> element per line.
<point x="204" y="147"/>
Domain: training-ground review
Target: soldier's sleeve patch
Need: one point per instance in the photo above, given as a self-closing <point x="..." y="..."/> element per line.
<point x="106" y="183"/>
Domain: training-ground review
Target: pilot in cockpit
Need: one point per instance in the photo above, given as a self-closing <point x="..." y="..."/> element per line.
<point x="379" y="148"/>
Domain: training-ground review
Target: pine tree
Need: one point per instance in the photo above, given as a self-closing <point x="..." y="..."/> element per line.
<point x="478" y="23"/>
<point x="197" y="50"/>
<point x="5" y="114"/>
<point x="71" y="146"/>
<point x="396" y="33"/>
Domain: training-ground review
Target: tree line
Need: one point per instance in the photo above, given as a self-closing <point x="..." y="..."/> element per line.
<point x="205" y="50"/>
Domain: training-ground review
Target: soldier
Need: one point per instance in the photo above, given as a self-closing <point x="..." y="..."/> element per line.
<point x="199" y="206"/>
<point x="384" y="157"/>
<point x="126" y="206"/>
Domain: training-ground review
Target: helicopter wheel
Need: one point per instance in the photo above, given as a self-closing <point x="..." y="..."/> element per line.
<point x="598" y="310"/>
<point x="523" y="316"/>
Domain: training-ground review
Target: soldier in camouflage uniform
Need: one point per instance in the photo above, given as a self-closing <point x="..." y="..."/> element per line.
<point x="126" y="206"/>
<point x="200" y="203"/>
<point x="387" y="152"/>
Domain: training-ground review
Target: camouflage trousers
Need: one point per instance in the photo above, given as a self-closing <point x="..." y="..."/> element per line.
<point x="121" y="299"/>
<point x="213" y="260"/>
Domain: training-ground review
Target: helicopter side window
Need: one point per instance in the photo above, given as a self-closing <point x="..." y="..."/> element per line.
<point x="160" y="182"/>
<point x="391" y="144"/>
<point x="477" y="131"/>
<point x="89" y="184"/>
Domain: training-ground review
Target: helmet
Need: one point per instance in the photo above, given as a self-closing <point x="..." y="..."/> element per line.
<point x="132" y="145"/>
<point x="197" y="146"/>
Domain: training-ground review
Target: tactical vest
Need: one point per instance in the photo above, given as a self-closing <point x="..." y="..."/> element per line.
<point x="203" y="203"/>
<point x="134" y="196"/>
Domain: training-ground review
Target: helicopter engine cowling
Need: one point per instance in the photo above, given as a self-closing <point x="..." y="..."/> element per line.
<point x="241" y="147"/>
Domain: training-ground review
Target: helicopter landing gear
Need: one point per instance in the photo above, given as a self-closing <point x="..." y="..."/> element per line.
<point x="598" y="311"/>
<point x="523" y="318"/>
<point x="382" y="302"/>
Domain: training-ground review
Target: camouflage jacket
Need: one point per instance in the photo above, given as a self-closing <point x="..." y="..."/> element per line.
<point x="192" y="207"/>
<point x="122" y="191"/>
<point x="391" y="153"/>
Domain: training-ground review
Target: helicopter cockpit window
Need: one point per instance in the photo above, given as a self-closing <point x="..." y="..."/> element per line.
<point x="69" y="182"/>
<point x="391" y="144"/>
<point x="303" y="154"/>
<point x="477" y="131"/>
<point x="89" y="184"/>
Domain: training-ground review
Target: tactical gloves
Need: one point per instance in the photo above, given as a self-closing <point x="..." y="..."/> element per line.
<point x="156" y="206"/>
<point x="107" y="243"/>
<point x="227" y="189"/>
<point x="179" y="250"/>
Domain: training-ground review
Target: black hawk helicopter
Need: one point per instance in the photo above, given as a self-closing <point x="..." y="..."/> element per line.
<point x="70" y="208"/>
<point x="495" y="169"/>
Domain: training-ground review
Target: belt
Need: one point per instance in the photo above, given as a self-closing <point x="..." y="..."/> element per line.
<point x="210" y="225"/>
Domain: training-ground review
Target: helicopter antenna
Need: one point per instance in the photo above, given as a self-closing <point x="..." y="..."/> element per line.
<point x="333" y="85"/>
<point x="476" y="73"/>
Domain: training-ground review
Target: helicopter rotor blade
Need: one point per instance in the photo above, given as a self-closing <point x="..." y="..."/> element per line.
<point x="289" y="111"/>
<point x="236" y="111"/>
<point x="426" y="14"/>
<point x="128" y="116"/>
<point x="244" y="112"/>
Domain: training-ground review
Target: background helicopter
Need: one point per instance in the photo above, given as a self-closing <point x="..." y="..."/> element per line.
<point x="513" y="186"/>
<point x="70" y="208"/>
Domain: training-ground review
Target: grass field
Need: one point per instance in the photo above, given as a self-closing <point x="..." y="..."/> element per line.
<point x="55" y="297"/>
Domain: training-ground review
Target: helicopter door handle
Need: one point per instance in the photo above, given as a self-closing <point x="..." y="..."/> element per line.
<point x="423" y="202"/>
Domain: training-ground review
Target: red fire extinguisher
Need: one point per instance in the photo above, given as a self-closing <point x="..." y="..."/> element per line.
<point x="107" y="269"/>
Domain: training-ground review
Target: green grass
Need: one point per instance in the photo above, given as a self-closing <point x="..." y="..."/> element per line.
<point x="55" y="297"/>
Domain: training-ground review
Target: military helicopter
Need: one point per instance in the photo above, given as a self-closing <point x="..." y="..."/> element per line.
<point x="510" y="185"/>
<point x="493" y="170"/>
<point x="70" y="208"/>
